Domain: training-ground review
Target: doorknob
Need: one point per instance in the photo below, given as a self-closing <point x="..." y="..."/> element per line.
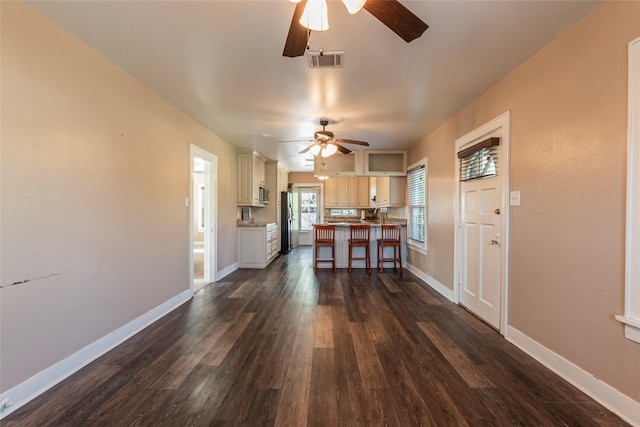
<point x="495" y="242"/>
<point x="497" y="211"/>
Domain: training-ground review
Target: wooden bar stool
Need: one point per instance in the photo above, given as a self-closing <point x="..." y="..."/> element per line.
<point x="360" y="239"/>
<point x="325" y="237"/>
<point x="390" y="238"/>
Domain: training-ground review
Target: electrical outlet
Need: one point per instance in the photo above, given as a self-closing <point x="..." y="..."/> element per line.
<point x="514" y="198"/>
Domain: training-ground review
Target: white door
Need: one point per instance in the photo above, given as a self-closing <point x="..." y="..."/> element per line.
<point x="480" y="243"/>
<point x="482" y="220"/>
<point x="309" y="213"/>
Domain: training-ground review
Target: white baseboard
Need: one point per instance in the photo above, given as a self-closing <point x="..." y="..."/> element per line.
<point x="226" y="271"/>
<point x="625" y="407"/>
<point x="437" y="286"/>
<point x="21" y="394"/>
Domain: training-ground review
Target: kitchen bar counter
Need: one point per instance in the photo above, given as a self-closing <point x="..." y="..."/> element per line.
<point x="342" y="247"/>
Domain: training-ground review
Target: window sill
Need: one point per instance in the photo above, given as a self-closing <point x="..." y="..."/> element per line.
<point x="418" y="248"/>
<point x="631" y="328"/>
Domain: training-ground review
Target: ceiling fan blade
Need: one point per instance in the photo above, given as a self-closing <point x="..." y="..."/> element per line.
<point x="343" y="150"/>
<point x="299" y="140"/>
<point x="307" y="149"/>
<point x="397" y="17"/>
<point x="352" y="141"/>
<point x="298" y="35"/>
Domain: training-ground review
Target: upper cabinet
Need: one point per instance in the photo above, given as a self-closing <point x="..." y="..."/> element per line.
<point x="390" y="191"/>
<point x="349" y="192"/>
<point x="385" y="162"/>
<point x="282" y="179"/>
<point x="363" y="163"/>
<point x="338" y="165"/>
<point x="251" y="177"/>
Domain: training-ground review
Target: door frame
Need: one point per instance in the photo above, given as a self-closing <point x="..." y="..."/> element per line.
<point x="295" y="188"/>
<point x="211" y="204"/>
<point x="501" y="122"/>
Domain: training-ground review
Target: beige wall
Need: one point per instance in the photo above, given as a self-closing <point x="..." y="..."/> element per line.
<point x="95" y="172"/>
<point x="568" y="108"/>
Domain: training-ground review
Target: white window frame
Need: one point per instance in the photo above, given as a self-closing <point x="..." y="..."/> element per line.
<point x="414" y="244"/>
<point x="631" y="316"/>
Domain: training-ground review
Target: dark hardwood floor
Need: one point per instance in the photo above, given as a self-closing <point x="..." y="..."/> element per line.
<point x="285" y="346"/>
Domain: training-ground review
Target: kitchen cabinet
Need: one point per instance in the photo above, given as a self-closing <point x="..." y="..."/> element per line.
<point x="257" y="246"/>
<point x="350" y="192"/>
<point x="282" y="179"/>
<point x="390" y="191"/>
<point x="338" y="165"/>
<point x="385" y="162"/>
<point x="251" y="177"/>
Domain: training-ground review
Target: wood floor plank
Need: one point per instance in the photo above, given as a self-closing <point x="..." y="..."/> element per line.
<point x="324" y="327"/>
<point x="322" y="395"/>
<point x="293" y="407"/>
<point x="371" y="372"/>
<point x="228" y="338"/>
<point x="465" y="368"/>
<point x="287" y="346"/>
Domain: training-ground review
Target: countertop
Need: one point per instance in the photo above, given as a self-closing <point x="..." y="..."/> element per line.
<point x="371" y="223"/>
<point x="254" y="224"/>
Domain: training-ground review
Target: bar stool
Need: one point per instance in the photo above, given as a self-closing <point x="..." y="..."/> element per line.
<point x="325" y="237"/>
<point x="390" y="238"/>
<point x="359" y="238"/>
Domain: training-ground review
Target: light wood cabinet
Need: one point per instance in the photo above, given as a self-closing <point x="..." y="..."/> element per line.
<point x="390" y="191"/>
<point x="251" y="176"/>
<point x="358" y="191"/>
<point x="338" y="165"/>
<point x="350" y="192"/>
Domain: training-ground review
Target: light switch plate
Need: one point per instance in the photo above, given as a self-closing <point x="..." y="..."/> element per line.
<point x="514" y="198"/>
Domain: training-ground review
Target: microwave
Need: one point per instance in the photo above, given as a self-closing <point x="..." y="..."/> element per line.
<point x="264" y="195"/>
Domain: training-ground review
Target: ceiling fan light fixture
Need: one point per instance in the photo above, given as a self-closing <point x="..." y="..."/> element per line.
<point x="329" y="150"/>
<point x="315" y="149"/>
<point x="314" y="16"/>
<point x="354" y="6"/>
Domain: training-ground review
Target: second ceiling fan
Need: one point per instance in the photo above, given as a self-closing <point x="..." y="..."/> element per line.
<point x="390" y="12"/>
<point x="325" y="143"/>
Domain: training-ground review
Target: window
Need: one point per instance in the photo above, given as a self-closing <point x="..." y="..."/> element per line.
<point x="631" y="316"/>
<point x="479" y="160"/>
<point x="417" y="201"/>
<point x="308" y="208"/>
<point x="344" y="212"/>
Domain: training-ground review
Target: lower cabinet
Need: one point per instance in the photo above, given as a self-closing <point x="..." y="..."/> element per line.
<point x="257" y="246"/>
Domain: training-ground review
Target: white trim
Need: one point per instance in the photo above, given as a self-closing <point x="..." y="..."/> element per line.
<point x="433" y="283"/>
<point x="501" y="122"/>
<point x="44" y="380"/>
<point x="631" y="317"/>
<point x="226" y="271"/>
<point x="625" y="407"/>
<point x="211" y="207"/>
<point x="414" y="244"/>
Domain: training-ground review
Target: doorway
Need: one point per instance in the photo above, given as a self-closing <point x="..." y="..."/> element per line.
<point x="308" y="213"/>
<point x="202" y="255"/>
<point x="482" y="218"/>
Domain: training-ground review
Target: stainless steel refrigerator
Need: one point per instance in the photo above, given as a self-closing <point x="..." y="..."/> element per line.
<point x="286" y="204"/>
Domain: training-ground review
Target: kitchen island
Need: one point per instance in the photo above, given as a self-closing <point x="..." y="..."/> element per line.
<point x="342" y="247"/>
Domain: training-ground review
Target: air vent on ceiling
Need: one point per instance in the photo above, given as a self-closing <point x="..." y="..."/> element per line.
<point x="326" y="60"/>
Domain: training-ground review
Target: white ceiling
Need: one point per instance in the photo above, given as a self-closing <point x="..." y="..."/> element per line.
<point x="221" y="62"/>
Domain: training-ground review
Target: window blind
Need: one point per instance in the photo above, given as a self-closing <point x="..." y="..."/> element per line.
<point x="417" y="203"/>
<point x="479" y="160"/>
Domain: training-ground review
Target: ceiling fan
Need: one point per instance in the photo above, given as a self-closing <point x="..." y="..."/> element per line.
<point x="390" y="12"/>
<point x="325" y="143"/>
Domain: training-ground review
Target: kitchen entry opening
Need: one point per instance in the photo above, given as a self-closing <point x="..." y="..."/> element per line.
<point x="309" y="211"/>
